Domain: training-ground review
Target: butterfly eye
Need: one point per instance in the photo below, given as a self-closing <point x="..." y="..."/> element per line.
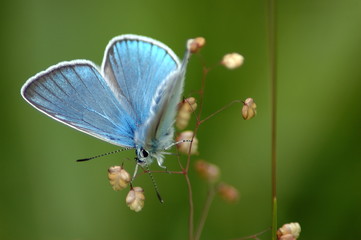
<point x="144" y="153"/>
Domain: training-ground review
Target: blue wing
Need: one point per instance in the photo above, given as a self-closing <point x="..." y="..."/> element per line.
<point x="133" y="102"/>
<point x="76" y="94"/>
<point x="135" y="67"/>
<point x="157" y="132"/>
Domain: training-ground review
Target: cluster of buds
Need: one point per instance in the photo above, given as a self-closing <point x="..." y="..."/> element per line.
<point x="232" y="60"/>
<point x="183" y="147"/>
<point x="289" y="231"/>
<point x="185" y="110"/>
<point x="249" y="109"/>
<point x="210" y="172"/>
<point x="119" y="179"/>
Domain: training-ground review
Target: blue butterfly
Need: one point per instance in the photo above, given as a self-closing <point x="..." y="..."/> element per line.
<point x="130" y="102"/>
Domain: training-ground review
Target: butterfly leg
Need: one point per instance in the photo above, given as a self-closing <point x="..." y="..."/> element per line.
<point x="135" y="171"/>
<point x="170" y="153"/>
<point x="160" y="162"/>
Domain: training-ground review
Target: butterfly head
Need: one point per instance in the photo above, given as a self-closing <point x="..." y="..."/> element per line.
<point x="145" y="157"/>
<point x="142" y="156"/>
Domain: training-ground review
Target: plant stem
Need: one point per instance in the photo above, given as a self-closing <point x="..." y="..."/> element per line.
<point x="220" y="110"/>
<point x="186" y="170"/>
<point x="191" y="208"/>
<point x="272" y="37"/>
<point x="207" y="205"/>
<point x="254" y="236"/>
<point x="201" y="93"/>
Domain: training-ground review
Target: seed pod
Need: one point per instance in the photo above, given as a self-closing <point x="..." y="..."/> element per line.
<point x="118" y="177"/>
<point x="184" y="147"/>
<point x="249" y="109"/>
<point x="135" y="199"/>
<point x="186" y="108"/>
<point x="232" y="60"/>
<point x="289" y="231"/>
<point x="196" y="44"/>
<point x="207" y="171"/>
<point x="229" y="193"/>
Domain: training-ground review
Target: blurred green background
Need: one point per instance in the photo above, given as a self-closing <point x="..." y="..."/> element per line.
<point x="46" y="195"/>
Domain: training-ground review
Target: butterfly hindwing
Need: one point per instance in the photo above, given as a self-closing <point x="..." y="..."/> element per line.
<point x="157" y="132"/>
<point x="76" y="94"/>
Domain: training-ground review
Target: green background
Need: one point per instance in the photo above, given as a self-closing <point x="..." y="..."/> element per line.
<point x="46" y="195"/>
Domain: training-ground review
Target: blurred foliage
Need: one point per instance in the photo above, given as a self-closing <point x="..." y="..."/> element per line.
<point x="46" y="195"/>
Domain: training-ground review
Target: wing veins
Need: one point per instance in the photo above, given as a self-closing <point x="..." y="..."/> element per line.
<point x="83" y="103"/>
<point x="116" y="105"/>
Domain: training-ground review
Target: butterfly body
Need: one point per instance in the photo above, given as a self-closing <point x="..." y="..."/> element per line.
<point x="130" y="102"/>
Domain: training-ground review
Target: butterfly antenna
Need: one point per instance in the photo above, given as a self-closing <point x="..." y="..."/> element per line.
<point x="154" y="184"/>
<point x="175" y="143"/>
<point x="104" y="154"/>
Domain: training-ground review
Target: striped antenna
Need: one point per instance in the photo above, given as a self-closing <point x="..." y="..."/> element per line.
<point x="104" y="154"/>
<point x="154" y="184"/>
<point x="175" y="143"/>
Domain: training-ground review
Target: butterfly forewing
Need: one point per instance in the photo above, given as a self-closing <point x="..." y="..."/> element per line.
<point x="76" y="94"/>
<point x="135" y="67"/>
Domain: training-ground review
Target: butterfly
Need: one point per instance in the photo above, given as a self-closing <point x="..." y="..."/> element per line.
<point x="131" y="101"/>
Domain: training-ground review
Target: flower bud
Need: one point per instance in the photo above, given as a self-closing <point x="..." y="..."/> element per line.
<point x="289" y="231"/>
<point x="194" y="45"/>
<point x="184" y="146"/>
<point x="229" y="193"/>
<point x="207" y="171"/>
<point x="186" y="108"/>
<point x="249" y="109"/>
<point x="118" y="177"/>
<point x="135" y="199"/>
<point x="232" y="60"/>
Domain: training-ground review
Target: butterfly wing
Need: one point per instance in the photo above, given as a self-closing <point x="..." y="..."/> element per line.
<point x="134" y="67"/>
<point x="76" y="94"/>
<point x="157" y="133"/>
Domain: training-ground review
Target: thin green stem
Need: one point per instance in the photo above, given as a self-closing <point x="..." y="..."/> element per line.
<point x="272" y="35"/>
<point x="201" y="92"/>
<point x="186" y="170"/>
<point x="201" y="102"/>
<point x="220" y="110"/>
<point x="190" y="193"/>
<point x="274" y="218"/>
<point x="191" y="208"/>
<point x="254" y="236"/>
<point x="205" y="211"/>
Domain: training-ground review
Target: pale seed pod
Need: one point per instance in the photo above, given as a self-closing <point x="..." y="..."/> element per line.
<point x="229" y="193"/>
<point x="232" y="60"/>
<point x="249" y="109"/>
<point x="287" y="237"/>
<point x="185" y="110"/>
<point x="135" y="199"/>
<point x="196" y="44"/>
<point x="184" y="146"/>
<point x="118" y="177"/>
<point x="207" y="171"/>
<point x="289" y="231"/>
